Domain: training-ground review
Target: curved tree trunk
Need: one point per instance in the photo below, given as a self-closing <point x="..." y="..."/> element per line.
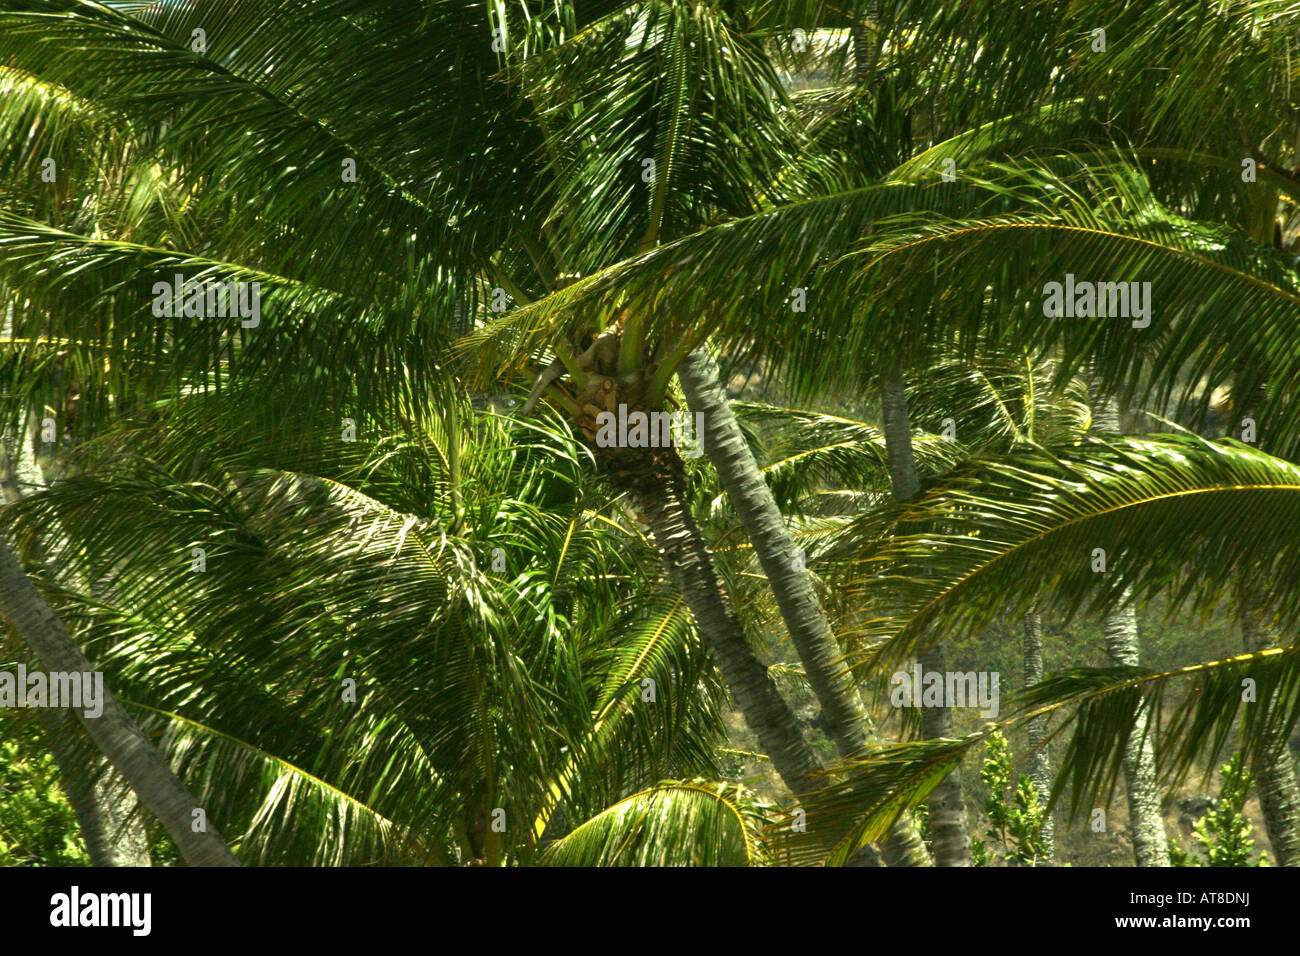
<point x="835" y="689"/>
<point x="1279" y="795"/>
<point x="1040" y="765"/>
<point x="654" y="480"/>
<point x="104" y="805"/>
<point x="106" y="809"/>
<point x="1120" y="628"/>
<point x="948" y="832"/>
<point x="113" y="731"/>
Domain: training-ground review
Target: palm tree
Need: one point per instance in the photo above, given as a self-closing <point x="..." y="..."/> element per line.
<point x="540" y="685"/>
<point x="516" y="199"/>
<point x="432" y="225"/>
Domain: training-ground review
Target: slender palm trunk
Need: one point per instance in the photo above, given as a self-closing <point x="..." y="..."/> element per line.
<point x="1275" y="781"/>
<point x="1275" y="778"/>
<point x="810" y="632"/>
<point x="654" y="480"/>
<point x="1040" y="765"/>
<point x="113" y="731"/>
<point x="948" y="830"/>
<point x="1120" y="628"/>
<point x="947" y="813"/>
<point x="1150" y="845"/>
<point x="106" y="809"/>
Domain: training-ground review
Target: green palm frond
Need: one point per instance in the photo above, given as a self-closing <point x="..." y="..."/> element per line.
<point x="687" y="117"/>
<point x="1170" y="512"/>
<point x="675" y="823"/>
<point x="658" y="709"/>
<point x="1192" y="712"/>
<point x="865" y="800"/>
<point x="301" y="818"/>
<point x="997" y="403"/>
<point x="803" y="453"/>
<point x="869" y="260"/>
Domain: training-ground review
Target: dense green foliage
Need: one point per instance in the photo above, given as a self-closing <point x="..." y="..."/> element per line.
<point x="358" y="565"/>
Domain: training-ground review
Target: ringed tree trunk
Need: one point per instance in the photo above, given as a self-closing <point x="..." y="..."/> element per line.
<point x="654" y="479"/>
<point x="1150" y="845"/>
<point x="116" y="735"/>
<point x="617" y="368"/>
<point x="1275" y="781"/>
<point x="948" y="830"/>
<point x="810" y="632"/>
<point x="1120" y="629"/>
<point x="1040" y="765"/>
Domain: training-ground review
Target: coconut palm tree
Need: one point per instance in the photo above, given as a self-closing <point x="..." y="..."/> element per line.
<point x="435" y="221"/>
<point x="412" y="662"/>
<point x="515" y="202"/>
<point x="1049" y="111"/>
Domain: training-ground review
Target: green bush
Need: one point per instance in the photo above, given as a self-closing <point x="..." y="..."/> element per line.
<point x="37" y="825"/>
<point x="1224" y="833"/>
<point x="1015" y="816"/>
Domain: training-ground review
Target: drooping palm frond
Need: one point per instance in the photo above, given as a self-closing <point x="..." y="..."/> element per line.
<point x="54" y="139"/>
<point x="868" y="261"/>
<point x="116" y="299"/>
<point x="675" y="823"/>
<point x="288" y="628"/>
<point x="1191" y="713"/>
<point x="377" y="84"/>
<point x="996" y="403"/>
<point x="803" y="453"/>
<point x="998" y="533"/>
<point x="302" y="818"/>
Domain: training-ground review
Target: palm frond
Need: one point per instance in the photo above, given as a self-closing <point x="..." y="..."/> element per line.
<point x="686" y="823"/>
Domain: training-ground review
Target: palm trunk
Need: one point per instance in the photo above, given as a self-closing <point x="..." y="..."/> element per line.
<point x="113" y="731"/>
<point x="103" y="804"/>
<point x="1040" y="766"/>
<point x="1120" y="628"/>
<point x="1275" y="780"/>
<point x="948" y="831"/>
<point x="821" y="656"/>
<point x="106" y="809"/>
<point x="1150" y="845"/>
<point x="654" y="480"/>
